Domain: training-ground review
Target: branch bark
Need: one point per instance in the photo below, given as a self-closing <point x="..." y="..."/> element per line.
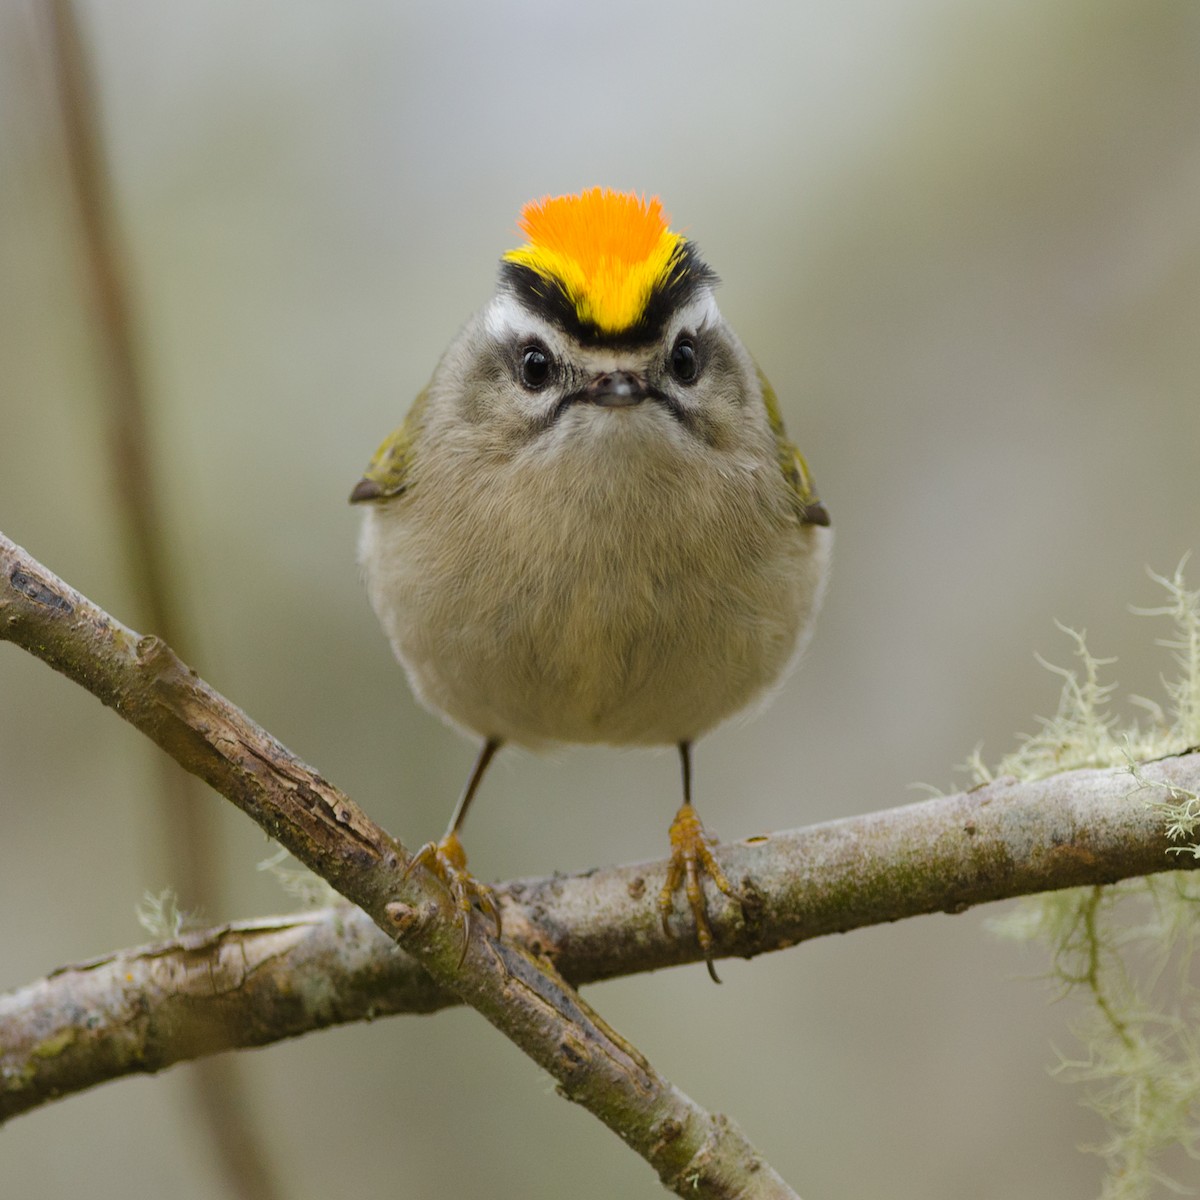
<point x="255" y="982"/>
<point x="696" y="1153"/>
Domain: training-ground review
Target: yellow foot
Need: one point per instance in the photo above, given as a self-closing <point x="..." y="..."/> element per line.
<point x="691" y="856"/>
<point x="448" y="861"/>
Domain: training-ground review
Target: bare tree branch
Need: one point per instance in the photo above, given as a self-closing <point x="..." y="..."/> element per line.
<point x="251" y="983"/>
<point x="695" y="1153"/>
<point x="245" y="984"/>
<point x="255" y="982"/>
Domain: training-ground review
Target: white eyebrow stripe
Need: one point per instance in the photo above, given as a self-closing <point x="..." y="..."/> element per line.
<point x="700" y="311"/>
<point x="506" y="317"/>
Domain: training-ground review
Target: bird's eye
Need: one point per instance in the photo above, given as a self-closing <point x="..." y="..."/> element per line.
<point x="536" y="367"/>
<point x="685" y="366"/>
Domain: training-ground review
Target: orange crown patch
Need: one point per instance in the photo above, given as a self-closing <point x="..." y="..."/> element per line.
<point x="607" y="252"/>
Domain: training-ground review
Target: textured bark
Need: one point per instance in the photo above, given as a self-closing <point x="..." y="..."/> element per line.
<point x="695" y="1153"/>
<point x="256" y="982"/>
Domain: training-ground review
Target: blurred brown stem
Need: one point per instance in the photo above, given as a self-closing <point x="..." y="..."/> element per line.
<point x="187" y="817"/>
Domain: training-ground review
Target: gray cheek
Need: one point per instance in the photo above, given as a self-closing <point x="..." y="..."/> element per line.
<point x="715" y="425"/>
<point x="502" y="416"/>
<point x="724" y="375"/>
<point x="721" y="415"/>
<point x="485" y="392"/>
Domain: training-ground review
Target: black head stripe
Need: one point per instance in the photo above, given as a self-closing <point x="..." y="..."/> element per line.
<point x="548" y="298"/>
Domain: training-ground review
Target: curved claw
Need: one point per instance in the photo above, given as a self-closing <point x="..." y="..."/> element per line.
<point x="691" y="857"/>
<point x="447" y="860"/>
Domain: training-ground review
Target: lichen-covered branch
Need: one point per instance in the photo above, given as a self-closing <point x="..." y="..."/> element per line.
<point x="694" y="1152"/>
<point x="256" y="982"/>
<point x="245" y="984"/>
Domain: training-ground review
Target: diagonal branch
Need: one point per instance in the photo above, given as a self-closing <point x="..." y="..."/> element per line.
<point x="695" y="1153"/>
<point x="256" y="982"/>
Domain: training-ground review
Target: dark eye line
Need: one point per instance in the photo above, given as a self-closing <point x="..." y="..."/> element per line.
<point x="549" y="372"/>
<point x="547" y="420"/>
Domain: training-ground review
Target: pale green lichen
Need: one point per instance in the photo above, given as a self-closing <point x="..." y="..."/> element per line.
<point x="303" y="885"/>
<point x="1129" y="950"/>
<point x="1184" y="691"/>
<point x="162" y="918"/>
<point x="1178" y="808"/>
<point x="1080" y="734"/>
<point x="53" y="1046"/>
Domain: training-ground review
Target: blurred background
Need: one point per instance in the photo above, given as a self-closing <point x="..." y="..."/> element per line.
<point x="962" y="240"/>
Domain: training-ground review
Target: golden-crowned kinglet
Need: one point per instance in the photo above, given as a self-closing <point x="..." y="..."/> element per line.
<point x="591" y="526"/>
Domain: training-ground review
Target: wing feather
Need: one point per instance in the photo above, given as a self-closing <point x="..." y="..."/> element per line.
<point x="809" y="508"/>
<point x="389" y="472"/>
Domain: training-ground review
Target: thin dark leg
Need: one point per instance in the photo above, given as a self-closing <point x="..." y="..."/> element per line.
<point x="486" y="754"/>
<point x="685" y="761"/>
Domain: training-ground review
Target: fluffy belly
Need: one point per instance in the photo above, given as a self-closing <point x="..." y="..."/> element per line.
<point x="578" y="634"/>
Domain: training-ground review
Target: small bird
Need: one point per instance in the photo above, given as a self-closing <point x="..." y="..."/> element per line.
<point x="591" y="526"/>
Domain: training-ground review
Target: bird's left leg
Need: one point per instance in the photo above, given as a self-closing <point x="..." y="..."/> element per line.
<point x="691" y="857"/>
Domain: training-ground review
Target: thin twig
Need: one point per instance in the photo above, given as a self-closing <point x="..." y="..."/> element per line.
<point x="696" y="1153"/>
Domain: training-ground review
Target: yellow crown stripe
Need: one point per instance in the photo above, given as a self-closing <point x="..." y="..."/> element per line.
<point x="607" y="251"/>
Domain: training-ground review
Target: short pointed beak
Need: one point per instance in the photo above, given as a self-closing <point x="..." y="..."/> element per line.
<point x="616" y="389"/>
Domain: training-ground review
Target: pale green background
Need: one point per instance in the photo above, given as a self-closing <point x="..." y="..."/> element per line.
<point x="962" y="238"/>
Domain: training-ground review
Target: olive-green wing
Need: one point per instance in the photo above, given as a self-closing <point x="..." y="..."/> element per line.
<point x="389" y="471"/>
<point x="808" y="506"/>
